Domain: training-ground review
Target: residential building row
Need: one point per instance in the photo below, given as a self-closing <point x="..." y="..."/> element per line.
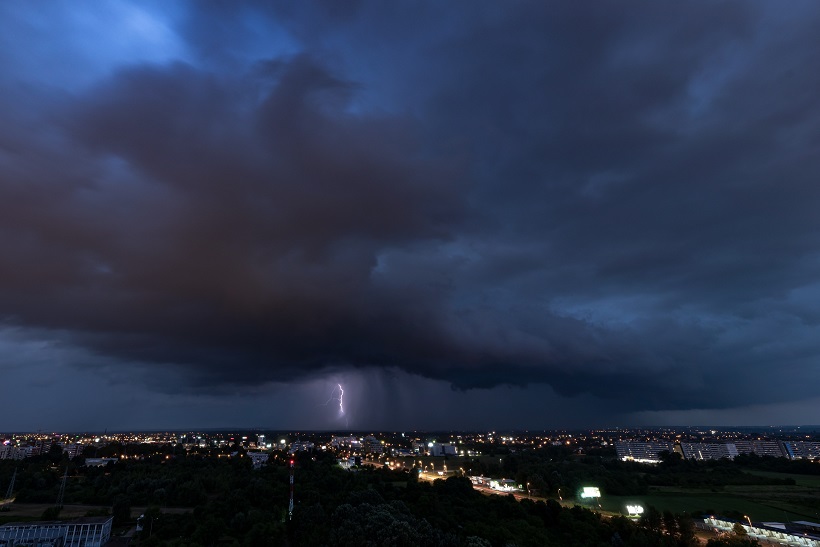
<point x="650" y="451"/>
<point x="9" y="451"/>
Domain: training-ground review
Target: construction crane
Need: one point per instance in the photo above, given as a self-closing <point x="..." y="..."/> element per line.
<point x="11" y="486"/>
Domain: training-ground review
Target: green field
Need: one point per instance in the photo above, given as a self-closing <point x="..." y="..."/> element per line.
<point x="761" y="502"/>
<point x="758" y="508"/>
<point x="758" y="505"/>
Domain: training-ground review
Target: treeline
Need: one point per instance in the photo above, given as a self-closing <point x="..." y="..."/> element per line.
<point x="183" y="483"/>
<point x="234" y="505"/>
<point x="388" y="508"/>
<point x="555" y="471"/>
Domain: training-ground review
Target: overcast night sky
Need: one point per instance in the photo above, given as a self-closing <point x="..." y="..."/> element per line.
<point x="471" y="214"/>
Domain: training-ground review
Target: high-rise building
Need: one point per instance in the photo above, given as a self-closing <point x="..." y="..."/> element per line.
<point x="761" y="448"/>
<point x="10" y="452"/>
<point x="708" y="451"/>
<point x="346" y="443"/>
<point x="372" y="445"/>
<point x="301" y="446"/>
<point x="802" y="450"/>
<point x="642" y="452"/>
<point x="442" y="449"/>
<point x="73" y="450"/>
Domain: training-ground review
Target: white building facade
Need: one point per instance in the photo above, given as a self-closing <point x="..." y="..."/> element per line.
<point x="83" y="532"/>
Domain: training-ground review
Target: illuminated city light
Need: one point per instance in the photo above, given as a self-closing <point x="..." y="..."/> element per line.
<point x="591" y="492"/>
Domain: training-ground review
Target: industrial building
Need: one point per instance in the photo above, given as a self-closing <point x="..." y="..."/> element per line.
<point x="796" y="533"/>
<point x="100" y="462"/>
<point x="258" y="458"/>
<point x="441" y="449"/>
<point x="82" y="532"/>
<point x="504" y="485"/>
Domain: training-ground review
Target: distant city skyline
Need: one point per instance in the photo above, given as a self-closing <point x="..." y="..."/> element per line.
<point x="461" y="215"/>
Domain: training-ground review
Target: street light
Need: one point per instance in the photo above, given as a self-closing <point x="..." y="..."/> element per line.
<point x="750" y="520"/>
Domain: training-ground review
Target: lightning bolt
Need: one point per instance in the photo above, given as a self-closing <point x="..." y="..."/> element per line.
<point x="340" y="397"/>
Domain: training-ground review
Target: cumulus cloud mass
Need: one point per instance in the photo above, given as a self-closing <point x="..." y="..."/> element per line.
<point x="216" y="210"/>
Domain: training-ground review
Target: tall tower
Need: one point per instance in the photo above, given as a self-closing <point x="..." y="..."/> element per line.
<point x="290" y="505"/>
<point x="62" y="489"/>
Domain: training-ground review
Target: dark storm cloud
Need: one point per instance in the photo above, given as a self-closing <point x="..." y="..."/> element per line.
<point x="253" y="234"/>
<point x="612" y="199"/>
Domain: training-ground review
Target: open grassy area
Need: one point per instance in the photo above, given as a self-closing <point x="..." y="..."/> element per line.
<point x="680" y="502"/>
<point x="686" y="503"/>
<point x="764" y="502"/>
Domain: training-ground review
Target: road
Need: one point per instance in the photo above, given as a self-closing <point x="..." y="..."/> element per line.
<point x="75" y="511"/>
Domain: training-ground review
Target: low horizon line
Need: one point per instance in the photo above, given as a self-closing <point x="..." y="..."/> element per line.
<point x="429" y="430"/>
